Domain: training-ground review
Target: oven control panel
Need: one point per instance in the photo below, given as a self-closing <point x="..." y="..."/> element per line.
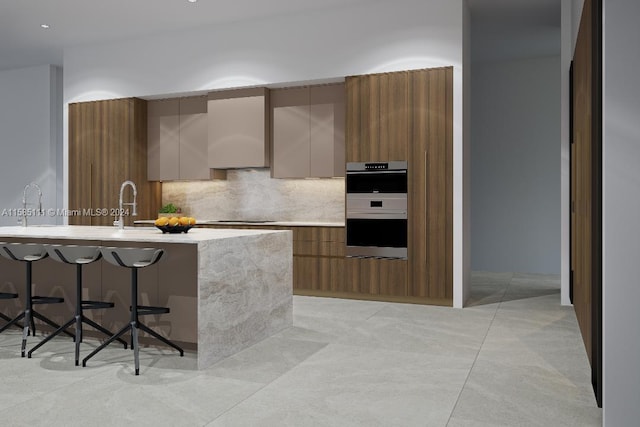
<point x="376" y="166"/>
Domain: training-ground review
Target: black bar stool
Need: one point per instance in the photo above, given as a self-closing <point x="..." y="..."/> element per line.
<point x="78" y="255"/>
<point x="134" y="258"/>
<point x="29" y="253"/>
<point x="7" y="295"/>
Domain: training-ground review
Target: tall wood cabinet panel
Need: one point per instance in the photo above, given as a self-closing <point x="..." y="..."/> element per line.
<point x="108" y="145"/>
<point x="431" y="184"/>
<point x="394" y="116"/>
<point x="408" y="115"/>
<point x="352" y="114"/>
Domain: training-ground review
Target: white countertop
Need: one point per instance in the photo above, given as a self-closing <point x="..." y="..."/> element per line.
<point x="262" y="223"/>
<point x="132" y="234"/>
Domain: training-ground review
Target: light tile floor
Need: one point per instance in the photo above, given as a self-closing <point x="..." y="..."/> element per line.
<point x="513" y="358"/>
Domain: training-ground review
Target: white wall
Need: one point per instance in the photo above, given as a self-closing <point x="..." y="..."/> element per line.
<point x="621" y="210"/>
<point x="566" y="55"/>
<point x="465" y="240"/>
<point x="30" y="119"/>
<point x="374" y="37"/>
<point x="576" y="14"/>
<point x="515" y="170"/>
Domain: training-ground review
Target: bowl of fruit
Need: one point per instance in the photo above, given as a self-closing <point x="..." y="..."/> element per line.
<point x="175" y="224"/>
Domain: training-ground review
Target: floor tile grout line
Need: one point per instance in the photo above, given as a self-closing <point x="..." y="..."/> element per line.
<point x="264" y="385"/>
<point x="475" y="359"/>
<point x="378" y="311"/>
<point x="74" y="383"/>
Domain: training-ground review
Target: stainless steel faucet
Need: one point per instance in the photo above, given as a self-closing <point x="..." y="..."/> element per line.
<point x="120" y="222"/>
<point x="24" y="201"/>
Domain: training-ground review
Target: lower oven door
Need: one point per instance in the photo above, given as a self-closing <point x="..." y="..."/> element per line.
<point x="379" y="235"/>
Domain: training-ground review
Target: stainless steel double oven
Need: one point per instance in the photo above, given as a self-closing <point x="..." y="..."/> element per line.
<point x="376" y="209"/>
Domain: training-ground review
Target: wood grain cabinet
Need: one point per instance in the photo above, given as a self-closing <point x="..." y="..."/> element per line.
<point x="378" y="124"/>
<point x="177" y="139"/>
<point x="239" y="128"/>
<point x="308" y="131"/>
<point x="377" y="278"/>
<point x="108" y="145"/>
<point x="430" y="186"/>
<point x="408" y="115"/>
<point x="318" y="260"/>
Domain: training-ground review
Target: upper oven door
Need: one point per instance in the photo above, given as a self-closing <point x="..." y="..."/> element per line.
<point x="390" y="179"/>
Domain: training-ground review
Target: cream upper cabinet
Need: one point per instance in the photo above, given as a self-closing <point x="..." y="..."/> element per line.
<point x="177" y="142"/>
<point x="194" y="142"/>
<point x="291" y="147"/>
<point x="308" y="131"/>
<point x="163" y="139"/>
<point x="238" y="123"/>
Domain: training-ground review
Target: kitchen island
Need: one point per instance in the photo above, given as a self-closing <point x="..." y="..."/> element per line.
<point x="227" y="289"/>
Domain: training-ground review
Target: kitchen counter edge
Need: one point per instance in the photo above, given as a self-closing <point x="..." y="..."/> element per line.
<point x="259" y="224"/>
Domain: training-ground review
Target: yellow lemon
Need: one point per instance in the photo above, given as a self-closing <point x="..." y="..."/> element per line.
<point x="173" y="221"/>
<point x="161" y="222"/>
<point x="184" y="220"/>
<point x="192" y="221"/>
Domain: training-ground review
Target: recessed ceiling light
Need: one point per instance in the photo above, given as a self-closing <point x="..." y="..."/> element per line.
<point x="45" y="26"/>
<point x="192" y="1"/>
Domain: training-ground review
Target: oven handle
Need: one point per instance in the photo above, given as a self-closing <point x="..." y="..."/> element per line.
<point x="369" y="172"/>
<point x="377" y="215"/>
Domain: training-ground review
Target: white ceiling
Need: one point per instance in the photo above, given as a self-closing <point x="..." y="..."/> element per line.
<point x="497" y="24"/>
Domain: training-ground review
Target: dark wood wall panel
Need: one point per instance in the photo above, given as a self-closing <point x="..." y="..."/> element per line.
<point x="581" y="174"/>
<point x="108" y="145"/>
<point x="586" y="186"/>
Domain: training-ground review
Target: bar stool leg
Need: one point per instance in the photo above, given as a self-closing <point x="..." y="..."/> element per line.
<point x="106" y="343"/>
<point x="28" y="313"/>
<point x="136" y="350"/>
<point x="134" y="319"/>
<point x="25" y="333"/>
<point x="112" y="256"/>
<point x="78" y="319"/>
<point x="13" y="322"/>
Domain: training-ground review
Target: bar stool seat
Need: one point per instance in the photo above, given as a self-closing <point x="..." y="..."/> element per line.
<point x="134" y="259"/>
<point x="29" y="253"/>
<point x="78" y="256"/>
